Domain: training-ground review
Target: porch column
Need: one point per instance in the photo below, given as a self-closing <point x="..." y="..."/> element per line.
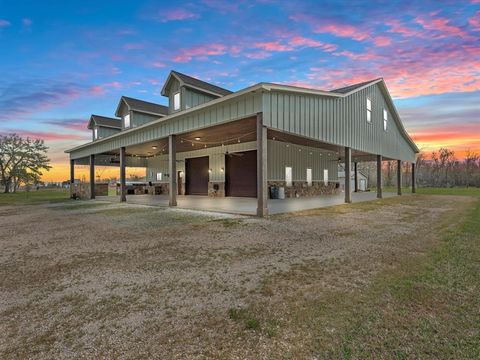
<point x="379" y="176"/>
<point x="92" y="176"/>
<point x="172" y="166"/>
<point x="356" y="176"/>
<point x="262" y="198"/>
<point x="123" y="189"/>
<point x="72" y="176"/>
<point x="414" y="185"/>
<point x="348" y="174"/>
<point x="399" y="177"/>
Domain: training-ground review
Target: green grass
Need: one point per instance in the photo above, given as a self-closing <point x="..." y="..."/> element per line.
<point x="470" y="191"/>
<point x="34" y="196"/>
<point x="424" y="309"/>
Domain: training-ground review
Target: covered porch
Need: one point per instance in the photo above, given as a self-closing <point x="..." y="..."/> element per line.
<point x="243" y="205"/>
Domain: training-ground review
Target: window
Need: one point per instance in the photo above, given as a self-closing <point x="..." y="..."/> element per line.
<point x="309" y="177"/>
<point x="325" y="176"/>
<point x="288" y="176"/>
<point x="369" y="110"/>
<point x="385" y="119"/>
<point x="159" y="176"/>
<point x="176" y="101"/>
<point x="95" y="133"/>
<point x="126" y="121"/>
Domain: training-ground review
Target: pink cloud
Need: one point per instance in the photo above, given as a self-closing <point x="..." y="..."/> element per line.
<point x="4" y="23"/>
<point x="382" y="40"/>
<point x="357" y="56"/>
<point x="47" y="136"/>
<point x="300" y="41"/>
<point x="176" y="15"/>
<point x="475" y="21"/>
<point x="133" y="46"/>
<point x="441" y="25"/>
<point x="159" y="64"/>
<point x="102" y="89"/>
<point x="397" y="27"/>
<point x="27" y="22"/>
<point x="342" y="30"/>
<point x="272" y="46"/>
<point x="200" y="52"/>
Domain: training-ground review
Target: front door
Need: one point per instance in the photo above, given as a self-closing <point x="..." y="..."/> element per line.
<point x="197" y="176"/>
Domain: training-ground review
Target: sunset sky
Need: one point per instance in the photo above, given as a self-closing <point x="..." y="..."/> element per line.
<point x="64" y="60"/>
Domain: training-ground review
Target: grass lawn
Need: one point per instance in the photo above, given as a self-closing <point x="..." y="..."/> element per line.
<point x="395" y="278"/>
<point x="34" y="196"/>
<point x="470" y="191"/>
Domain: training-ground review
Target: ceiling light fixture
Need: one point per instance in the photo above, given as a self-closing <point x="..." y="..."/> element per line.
<point x="198" y="138"/>
<point x="154" y="147"/>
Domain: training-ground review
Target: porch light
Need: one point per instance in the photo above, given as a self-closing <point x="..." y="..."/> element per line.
<point x="222" y="170"/>
<point x="209" y="171"/>
<point x="238" y="140"/>
<point x="181" y="174"/>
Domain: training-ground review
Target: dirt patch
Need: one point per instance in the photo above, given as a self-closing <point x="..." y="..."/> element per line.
<point x="135" y="281"/>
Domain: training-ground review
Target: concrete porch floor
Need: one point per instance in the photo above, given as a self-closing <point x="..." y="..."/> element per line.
<point x="245" y="206"/>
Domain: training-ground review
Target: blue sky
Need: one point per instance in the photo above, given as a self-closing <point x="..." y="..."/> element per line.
<point x="64" y="60"/>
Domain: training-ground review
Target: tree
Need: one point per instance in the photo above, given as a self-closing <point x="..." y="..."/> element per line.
<point x="21" y="161"/>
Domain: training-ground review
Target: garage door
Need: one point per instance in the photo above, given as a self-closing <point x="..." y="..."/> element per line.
<point x="196" y="171"/>
<point x="241" y="174"/>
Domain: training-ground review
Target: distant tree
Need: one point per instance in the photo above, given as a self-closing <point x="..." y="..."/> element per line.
<point x="447" y="160"/>
<point x="21" y="161"/>
<point x="472" y="164"/>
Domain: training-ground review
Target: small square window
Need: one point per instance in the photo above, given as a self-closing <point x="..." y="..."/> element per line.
<point x="159" y="176"/>
<point x="126" y="121"/>
<point x="176" y="101"/>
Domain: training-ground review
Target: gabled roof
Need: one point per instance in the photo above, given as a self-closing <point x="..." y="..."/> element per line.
<point x="196" y="84"/>
<point x="142" y="106"/>
<point x="350" y="88"/>
<point x="98" y="120"/>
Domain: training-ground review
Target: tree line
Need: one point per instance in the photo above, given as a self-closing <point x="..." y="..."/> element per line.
<point x="438" y="169"/>
<point x="22" y="161"/>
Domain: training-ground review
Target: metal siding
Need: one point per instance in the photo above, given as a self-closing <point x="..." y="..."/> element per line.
<point x="342" y="121"/>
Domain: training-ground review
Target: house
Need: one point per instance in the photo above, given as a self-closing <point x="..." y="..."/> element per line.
<point x="358" y="180"/>
<point x="210" y="141"/>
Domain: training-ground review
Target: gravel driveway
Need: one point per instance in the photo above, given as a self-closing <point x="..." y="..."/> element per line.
<point x="84" y="279"/>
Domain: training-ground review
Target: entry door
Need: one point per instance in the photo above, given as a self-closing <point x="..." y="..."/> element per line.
<point x="241" y="174"/>
<point x="196" y="172"/>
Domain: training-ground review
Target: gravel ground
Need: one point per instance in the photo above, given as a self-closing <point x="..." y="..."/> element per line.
<point x="97" y="280"/>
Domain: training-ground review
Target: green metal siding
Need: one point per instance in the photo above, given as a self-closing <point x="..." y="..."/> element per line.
<point x="193" y="98"/>
<point x="340" y="121"/>
<point x="299" y="158"/>
<point x="137" y="118"/>
<point x="235" y="109"/>
<point x="104" y="132"/>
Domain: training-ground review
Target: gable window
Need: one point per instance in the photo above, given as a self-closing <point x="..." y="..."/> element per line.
<point x="385" y="119"/>
<point x="126" y="121"/>
<point x="176" y="101"/>
<point x="95" y="133"/>
<point x="309" y="177"/>
<point x="159" y="176"/>
<point x="288" y="176"/>
<point x="369" y="110"/>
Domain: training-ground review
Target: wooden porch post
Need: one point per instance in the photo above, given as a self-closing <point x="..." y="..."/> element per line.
<point x="123" y="189"/>
<point x="72" y="177"/>
<point x="356" y="176"/>
<point x="172" y="165"/>
<point x="348" y="174"/>
<point x="414" y="185"/>
<point x="92" y="176"/>
<point x="399" y="177"/>
<point x="379" y="177"/>
<point x="262" y="198"/>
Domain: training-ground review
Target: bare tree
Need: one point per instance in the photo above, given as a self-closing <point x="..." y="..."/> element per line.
<point x="21" y="161"/>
